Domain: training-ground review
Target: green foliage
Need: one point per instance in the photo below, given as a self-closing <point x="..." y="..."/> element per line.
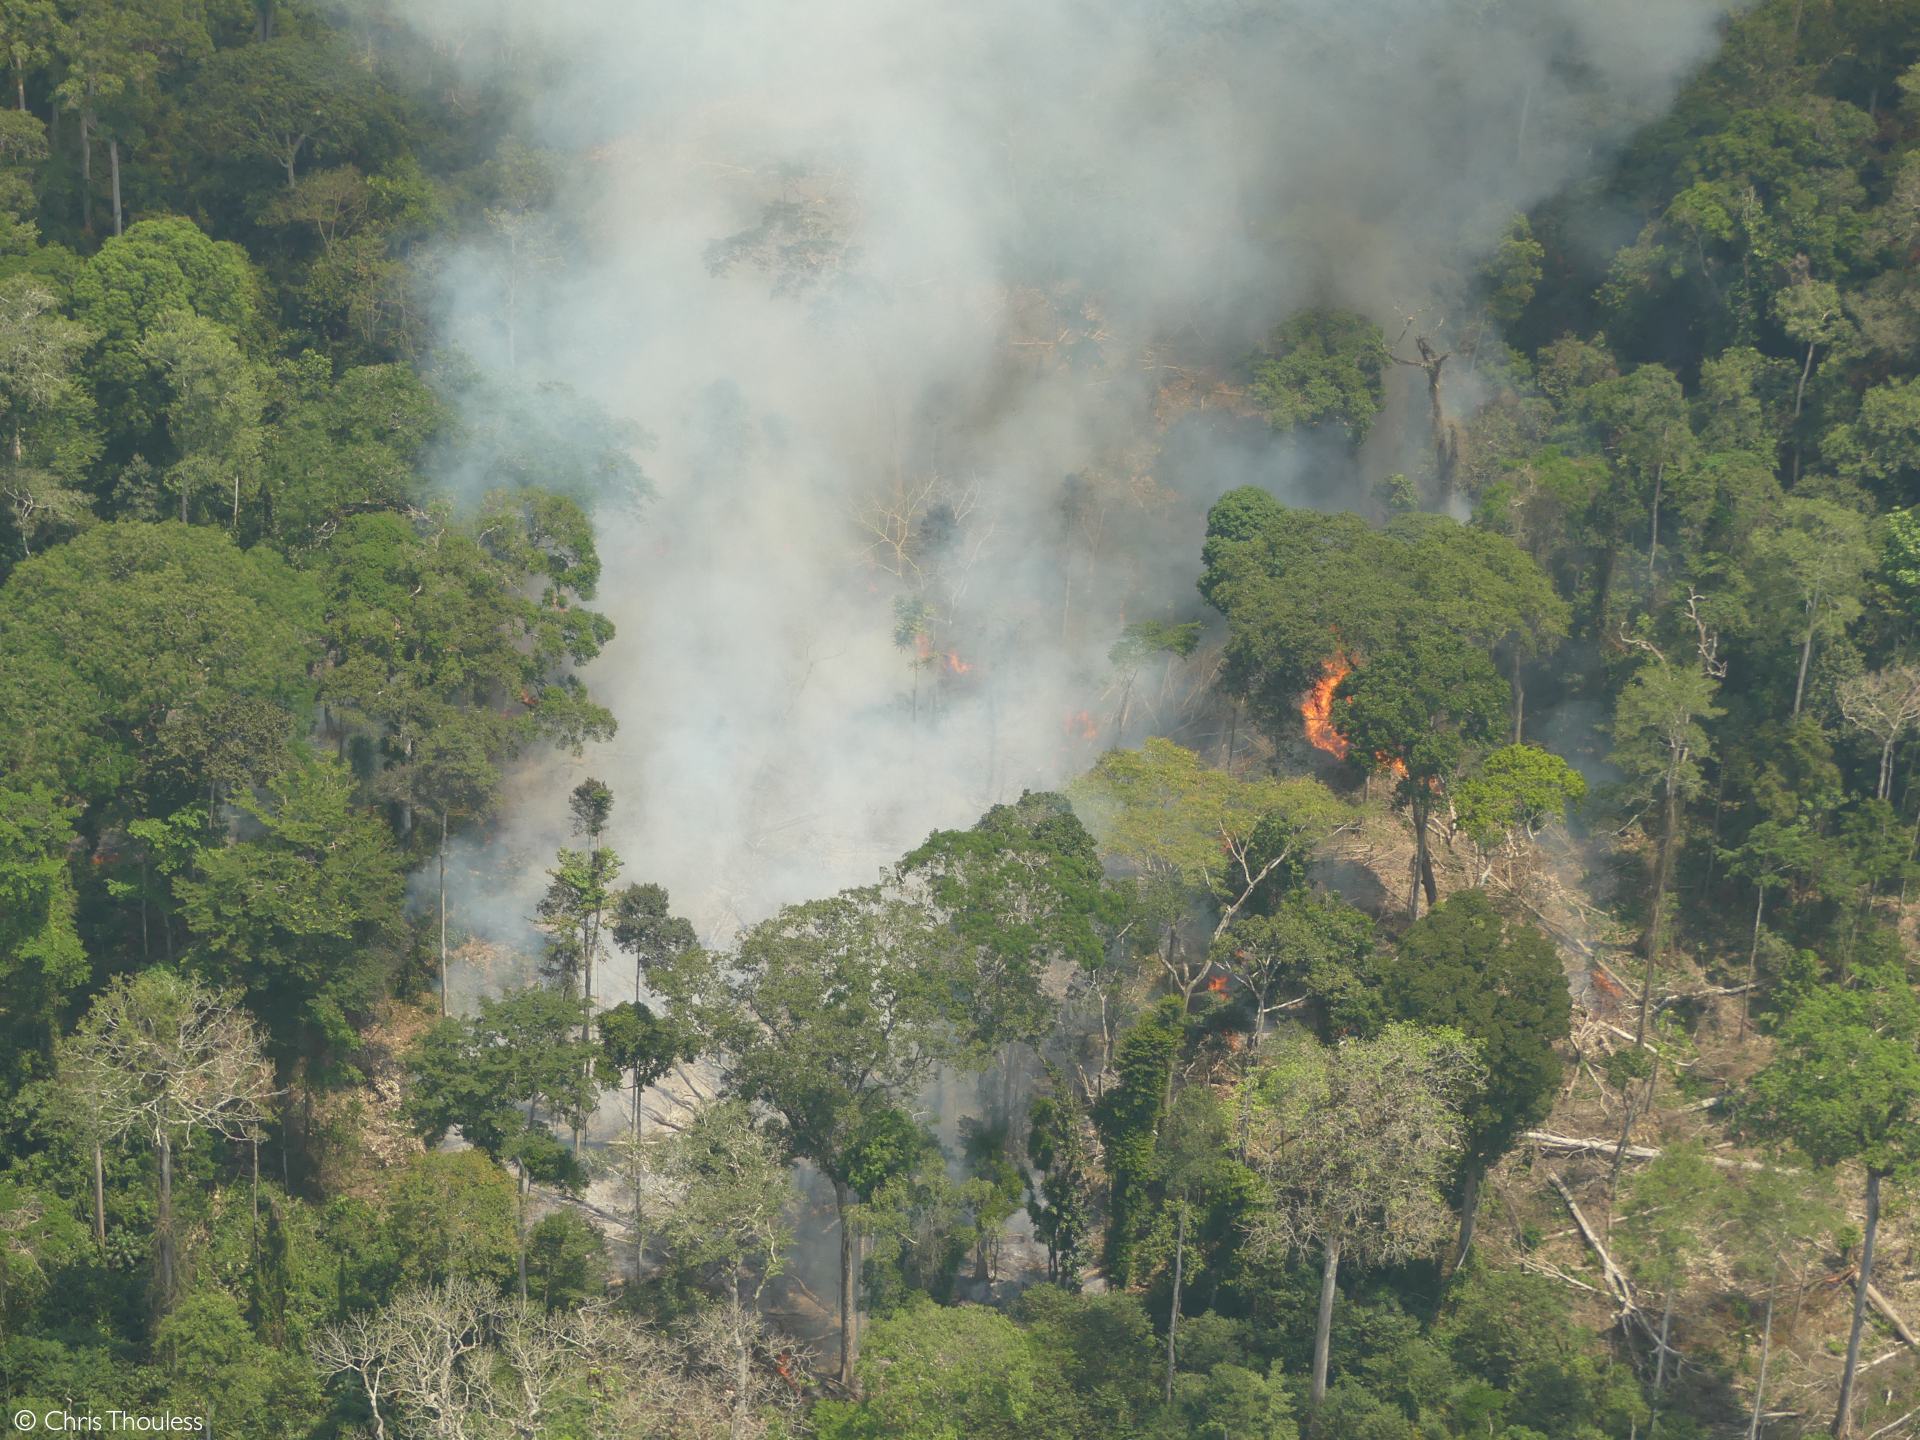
<point x="41" y="956"/>
<point x="446" y="1216"/>
<point x="109" y="634"/>
<point x="157" y="269"/>
<point x="1128" y="1118"/>
<point x="1323" y="367"/>
<point x="306" y="917"/>
<point x="1515" y="790"/>
<point x="1500" y="983"/>
<point x="1846" y="1081"/>
<point x="566" y="1261"/>
<point x="1022" y="890"/>
<point x="498" y="1075"/>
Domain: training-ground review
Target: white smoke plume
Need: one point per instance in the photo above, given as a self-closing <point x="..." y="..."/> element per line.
<point x="948" y="303"/>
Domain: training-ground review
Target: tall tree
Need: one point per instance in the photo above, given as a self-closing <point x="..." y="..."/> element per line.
<point x="831" y="1014"/>
<point x="169" y="1057"/>
<point x="1356" y="1142"/>
<point x="494" y="1076"/>
<point x="1813" y="565"/>
<point x="1500" y="983"/>
<point x="1845" y="1086"/>
<point x="1419" y="709"/>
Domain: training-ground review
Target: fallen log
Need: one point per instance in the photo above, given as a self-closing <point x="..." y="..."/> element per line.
<point x="1892" y="1317"/>
<point x="1616" y="1278"/>
<point x="1581" y="1145"/>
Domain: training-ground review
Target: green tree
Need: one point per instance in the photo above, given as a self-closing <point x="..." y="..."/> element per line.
<point x="1312" y="950"/>
<point x="1130" y="1116"/>
<point x="107" y="635"/>
<point x="126" y="289"/>
<point x="1420" y="709"/>
<point x="493" y="1077"/>
<point x="1845" y="1086"/>
<point x="1499" y="982"/>
<point x="831" y="1013"/>
<point x="1771" y="855"/>
<point x="42" y="960"/>
<point x="727" y="1224"/>
<point x="213" y="410"/>
<point x="1170" y="819"/>
<point x="1512" y="795"/>
<point x="306" y="917"/>
<point x="46" y="415"/>
<point x="1022" y="890"/>
<point x="1666" y="1221"/>
<point x="1323" y="367"/>
<point x="1355" y="1143"/>
<point x="1660" y="744"/>
<point x="449" y="1215"/>
<point x="1643" y="420"/>
<point x="284" y="101"/>
<point x="1814" y="564"/>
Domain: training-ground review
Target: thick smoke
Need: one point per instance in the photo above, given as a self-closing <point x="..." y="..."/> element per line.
<point x="946" y="306"/>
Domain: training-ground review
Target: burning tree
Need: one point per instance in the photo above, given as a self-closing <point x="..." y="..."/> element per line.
<point x="1419" y="710"/>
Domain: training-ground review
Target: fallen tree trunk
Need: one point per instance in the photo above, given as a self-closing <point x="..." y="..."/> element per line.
<point x="1581" y="1145"/>
<point x="1894" y="1322"/>
<point x="1615" y="1277"/>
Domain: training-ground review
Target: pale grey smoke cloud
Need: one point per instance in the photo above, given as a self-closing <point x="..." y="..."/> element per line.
<point x="856" y="260"/>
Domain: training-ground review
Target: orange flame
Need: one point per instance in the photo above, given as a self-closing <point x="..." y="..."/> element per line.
<point x="1217" y="984"/>
<point x="956" y="665"/>
<point x="1316" y="709"/>
<point x="1081" y="724"/>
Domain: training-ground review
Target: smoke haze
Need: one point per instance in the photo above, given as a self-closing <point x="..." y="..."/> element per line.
<point x="946" y="305"/>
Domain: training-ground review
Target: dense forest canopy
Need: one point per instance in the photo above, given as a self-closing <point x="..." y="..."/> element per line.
<point x="718" y="725"/>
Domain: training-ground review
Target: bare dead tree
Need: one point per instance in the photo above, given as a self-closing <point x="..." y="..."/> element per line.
<point x="1886" y="705"/>
<point x="165" y="1057"/>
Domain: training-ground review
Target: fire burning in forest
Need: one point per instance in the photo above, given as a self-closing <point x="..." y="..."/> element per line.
<point x="955" y="665"/>
<point x="1082" y="725"/>
<point x="1316" y="709"/>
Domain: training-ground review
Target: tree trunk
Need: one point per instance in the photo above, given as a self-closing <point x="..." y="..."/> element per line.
<point x="1660" y="1363"/>
<point x="849" y="1301"/>
<point x="1323" y="1325"/>
<point x="443" y="912"/>
<point x="163" y="1226"/>
<point x="86" y="173"/>
<point x="1766" y="1353"/>
<point x="520" y="1230"/>
<point x="1800" y="390"/>
<point x="99" y="1196"/>
<point x="1886" y="768"/>
<point x="1843" y="1412"/>
<point x="1469" y="1212"/>
<point x="1653" y="535"/>
<point x="1753" y="961"/>
<point x="1173" y="1315"/>
<point x="1806" y="654"/>
<point x="1519" y="698"/>
<point x="1421" y="810"/>
<point x="20" y="92"/>
<point x="740" y="1423"/>
<point x="113" y="161"/>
